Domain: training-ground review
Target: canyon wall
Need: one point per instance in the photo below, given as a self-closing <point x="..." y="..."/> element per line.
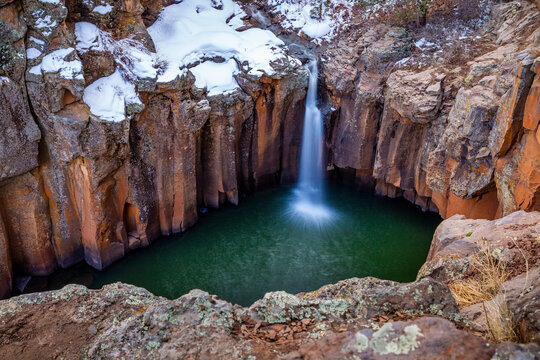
<point x="453" y="134"/>
<point x="75" y="187"/>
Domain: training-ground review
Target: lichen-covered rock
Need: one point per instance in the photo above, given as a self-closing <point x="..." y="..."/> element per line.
<point x="521" y="296"/>
<point x="416" y="96"/>
<point x="425" y="338"/>
<point x="123" y="321"/>
<point x="463" y="146"/>
<point x="371" y="297"/>
<point x="512" y="239"/>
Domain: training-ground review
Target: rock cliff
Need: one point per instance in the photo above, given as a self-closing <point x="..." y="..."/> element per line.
<point x="447" y="120"/>
<point x="86" y="180"/>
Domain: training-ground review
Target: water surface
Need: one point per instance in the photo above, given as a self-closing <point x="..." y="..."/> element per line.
<point x="240" y="253"/>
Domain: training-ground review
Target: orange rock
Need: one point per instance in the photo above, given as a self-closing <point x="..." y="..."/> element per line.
<point x="531" y="115"/>
<point x="28" y="225"/>
<point x="481" y="207"/>
<point x="518" y="176"/>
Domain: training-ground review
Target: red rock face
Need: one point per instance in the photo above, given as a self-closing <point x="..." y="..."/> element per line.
<point x="448" y="144"/>
<point x="6" y="273"/>
<point x="94" y="190"/>
<point x="27" y="225"/>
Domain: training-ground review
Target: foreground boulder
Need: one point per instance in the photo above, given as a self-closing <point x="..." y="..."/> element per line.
<point x="514" y="239"/>
<point x="493" y="270"/>
<point x="356" y="317"/>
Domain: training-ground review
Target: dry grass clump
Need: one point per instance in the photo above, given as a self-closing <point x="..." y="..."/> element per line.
<point x="492" y="273"/>
<point x="500" y="322"/>
<point x="485" y="288"/>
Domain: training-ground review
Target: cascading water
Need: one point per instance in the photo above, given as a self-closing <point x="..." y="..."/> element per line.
<point x="309" y="200"/>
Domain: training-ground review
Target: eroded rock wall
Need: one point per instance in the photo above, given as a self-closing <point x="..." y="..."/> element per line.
<point x="455" y="138"/>
<point x="75" y="187"/>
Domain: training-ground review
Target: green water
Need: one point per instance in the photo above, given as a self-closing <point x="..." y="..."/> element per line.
<point x="240" y="253"/>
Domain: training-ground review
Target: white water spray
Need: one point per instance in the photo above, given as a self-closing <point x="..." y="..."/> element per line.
<point x="309" y="202"/>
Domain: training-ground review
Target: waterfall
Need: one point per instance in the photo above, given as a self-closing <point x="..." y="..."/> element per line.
<point x="309" y="199"/>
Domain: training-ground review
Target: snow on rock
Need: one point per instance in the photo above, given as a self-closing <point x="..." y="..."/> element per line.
<point x="55" y="62"/>
<point x="46" y="25"/>
<point x="36" y="40"/>
<point x="32" y="53"/>
<point x="192" y="30"/>
<point x="88" y="37"/>
<point x="129" y="54"/>
<point x="317" y="19"/>
<point x="316" y="30"/>
<point x="218" y="78"/>
<point x="103" y="9"/>
<point x="200" y="36"/>
<point x="108" y="97"/>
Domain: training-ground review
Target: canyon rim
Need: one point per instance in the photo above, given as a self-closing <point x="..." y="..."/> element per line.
<point x="121" y="119"/>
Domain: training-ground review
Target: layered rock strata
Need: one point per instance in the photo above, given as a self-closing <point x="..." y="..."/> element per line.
<point x="452" y="137"/>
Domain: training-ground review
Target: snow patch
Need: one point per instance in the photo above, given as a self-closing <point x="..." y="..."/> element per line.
<point x="32" y="53"/>
<point x="47" y="24"/>
<point x="103" y="9"/>
<point x="316" y="30"/>
<point x="129" y="54"/>
<point x="318" y="20"/>
<point x="36" y="40"/>
<point x="200" y="36"/>
<point x="107" y="97"/>
<point x="54" y="62"/>
<point x="218" y="78"/>
<point x="193" y="30"/>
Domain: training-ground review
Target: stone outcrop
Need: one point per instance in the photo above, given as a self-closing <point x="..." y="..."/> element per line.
<point x="460" y="247"/>
<point x="75" y="187"/>
<point x="514" y="238"/>
<point x="350" y="319"/>
<point x="452" y="137"/>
